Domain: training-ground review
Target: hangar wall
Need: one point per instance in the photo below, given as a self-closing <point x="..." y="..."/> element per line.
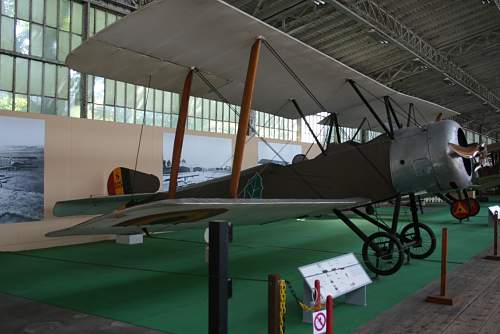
<point x="79" y="155"/>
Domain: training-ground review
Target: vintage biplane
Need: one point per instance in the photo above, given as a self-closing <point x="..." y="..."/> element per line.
<point x="207" y="48"/>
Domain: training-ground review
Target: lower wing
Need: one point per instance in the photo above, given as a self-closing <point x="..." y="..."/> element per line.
<point x="188" y="213"/>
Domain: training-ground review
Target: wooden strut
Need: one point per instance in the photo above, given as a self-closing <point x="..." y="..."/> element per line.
<point x="329" y="315"/>
<point x="495" y="256"/>
<point x="273" y="301"/>
<point x="246" y="106"/>
<point x="179" y="135"/>
<point x="442" y="299"/>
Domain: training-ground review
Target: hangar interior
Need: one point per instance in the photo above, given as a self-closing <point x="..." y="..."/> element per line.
<point x="68" y="133"/>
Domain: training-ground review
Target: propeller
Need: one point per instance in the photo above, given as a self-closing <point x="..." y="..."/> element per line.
<point x="477" y="152"/>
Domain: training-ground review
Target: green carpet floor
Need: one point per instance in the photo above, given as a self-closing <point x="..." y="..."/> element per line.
<point x="162" y="284"/>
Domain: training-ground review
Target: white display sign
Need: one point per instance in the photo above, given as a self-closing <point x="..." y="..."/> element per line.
<point x="319" y="322"/>
<point x="337" y="276"/>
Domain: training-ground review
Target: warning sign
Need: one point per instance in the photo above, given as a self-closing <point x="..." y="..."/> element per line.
<point x="319" y="322"/>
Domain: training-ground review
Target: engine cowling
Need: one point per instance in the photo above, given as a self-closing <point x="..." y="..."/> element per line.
<point x="422" y="161"/>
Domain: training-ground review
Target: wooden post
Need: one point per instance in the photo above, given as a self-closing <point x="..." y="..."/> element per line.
<point x="179" y="135"/>
<point x="442" y="299"/>
<point x="329" y="315"/>
<point x="495" y="256"/>
<point x="246" y="106"/>
<point x="273" y="304"/>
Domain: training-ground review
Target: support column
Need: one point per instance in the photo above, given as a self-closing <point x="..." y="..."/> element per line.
<point x="246" y="106"/>
<point x="179" y="135"/>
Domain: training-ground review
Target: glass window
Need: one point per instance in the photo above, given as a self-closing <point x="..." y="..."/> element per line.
<point x="36" y="69"/>
<point x="167" y="102"/>
<point x="77" y="17"/>
<point x="149" y="118"/>
<point x="51" y="13"/>
<point x="50" y="43"/>
<point x="48" y="105"/>
<point x="76" y="40"/>
<point x="6" y="72"/>
<point x="36" y="40"/>
<point x="62" y="107"/>
<point x="149" y="98"/>
<point x="62" y="82"/>
<point x="21" y="76"/>
<point x="8" y="7"/>
<point x="99" y="90"/>
<point x="37" y="7"/>
<point x="49" y="81"/>
<point x="109" y="113"/>
<point x="7" y="29"/>
<point x="22" y="36"/>
<point x="175" y="106"/>
<point x="111" y="18"/>
<point x="120" y="115"/>
<point x="90" y="88"/>
<point x="130" y="116"/>
<point x="100" y="20"/>
<point x="120" y="93"/>
<point x="23" y="9"/>
<point x="110" y="91"/>
<point x="63" y="46"/>
<point x="159" y="118"/>
<point x="139" y="98"/>
<point x="35" y="105"/>
<point x="130" y="96"/>
<point x="139" y="116"/>
<point x="91" y="21"/>
<point x="21" y="103"/>
<point x="158" y="100"/>
<point x="64" y="15"/>
<point x="98" y="112"/>
<point x="5" y="100"/>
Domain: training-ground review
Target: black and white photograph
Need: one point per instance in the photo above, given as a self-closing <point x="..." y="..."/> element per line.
<point x="203" y="158"/>
<point x="281" y="154"/>
<point x="21" y="169"/>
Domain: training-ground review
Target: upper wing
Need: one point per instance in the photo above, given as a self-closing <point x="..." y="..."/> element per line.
<point x="171" y="36"/>
<point x="177" y="214"/>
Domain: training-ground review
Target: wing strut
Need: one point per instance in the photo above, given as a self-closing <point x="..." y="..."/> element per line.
<point x="390" y="111"/>
<point x="411" y="110"/>
<point x="359" y="128"/>
<point x="370" y="108"/>
<point x="246" y="106"/>
<point x="299" y="111"/>
<point x="179" y="135"/>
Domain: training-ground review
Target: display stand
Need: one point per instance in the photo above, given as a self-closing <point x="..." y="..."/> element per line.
<point x="491" y="214"/>
<point x="338" y="276"/>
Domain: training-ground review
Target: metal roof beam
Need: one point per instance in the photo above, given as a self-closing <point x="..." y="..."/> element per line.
<point x="371" y="13"/>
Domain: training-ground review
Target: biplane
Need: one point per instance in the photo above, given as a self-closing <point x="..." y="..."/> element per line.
<point x="209" y="49"/>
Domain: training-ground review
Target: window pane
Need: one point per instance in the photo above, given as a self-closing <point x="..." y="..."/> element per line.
<point x="111" y="18"/>
<point x="50" y="43"/>
<point x="100" y="20"/>
<point x="149" y="118"/>
<point x="21" y="76"/>
<point x="76" y="40"/>
<point x="62" y="82"/>
<point x="64" y="14"/>
<point x="140" y="98"/>
<point x="21" y="103"/>
<point x="23" y="37"/>
<point x="49" y="81"/>
<point x="51" y="13"/>
<point x="90" y="88"/>
<point x="158" y="100"/>
<point x="167" y="102"/>
<point x="8" y="7"/>
<point x="99" y="90"/>
<point x="98" y="112"/>
<point x="62" y="107"/>
<point x="130" y="95"/>
<point x="48" y="105"/>
<point x="175" y="105"/>
<point x="74" y="94"/>
<point x="110" y="92"/>
<point x="109" y="113"/>
<point x="150" y="98"/>
<point x="36" y="78"/>
<point x="159" y="119"/>
<point x="6" y="72"/>
<point x="120" y="115"/>
<point x="120" y="93"/>
<point x="36" y="40"/>
<point x="91" y="22"/>
<point x="35" y="104"/>
<point x="63" y="46"/>
<point x="5" y="100"/>
<point x="7" y="28"/>
<point x="76" y="20"/>
<point x="130" y="116"/>
<point x="23" y="10"/>
<point x="37" y="11"/>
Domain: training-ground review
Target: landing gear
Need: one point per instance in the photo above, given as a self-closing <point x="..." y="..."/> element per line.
<point x="421" y="244"/>
<point x="383" y="253"/>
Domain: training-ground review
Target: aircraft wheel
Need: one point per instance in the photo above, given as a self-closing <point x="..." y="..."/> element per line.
<point x="383" y="253"/>
<point x="475" y="207"/>
<point x="460" y="209"/>
<point x="420" y="249"/>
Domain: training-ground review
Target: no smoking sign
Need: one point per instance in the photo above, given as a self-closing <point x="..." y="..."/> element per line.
<point x="319" y="322"/>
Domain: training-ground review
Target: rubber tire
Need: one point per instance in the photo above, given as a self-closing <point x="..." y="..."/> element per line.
<point x="400" y="252"/>
<point x="423" y="228"/>
<point x="474" y="213"/>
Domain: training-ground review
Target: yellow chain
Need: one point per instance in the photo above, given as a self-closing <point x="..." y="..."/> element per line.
<point x="282" y="305"/>
<point x="313" y="308"/>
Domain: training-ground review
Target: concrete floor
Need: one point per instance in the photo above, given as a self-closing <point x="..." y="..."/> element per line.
<point x="19" y="315"/>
